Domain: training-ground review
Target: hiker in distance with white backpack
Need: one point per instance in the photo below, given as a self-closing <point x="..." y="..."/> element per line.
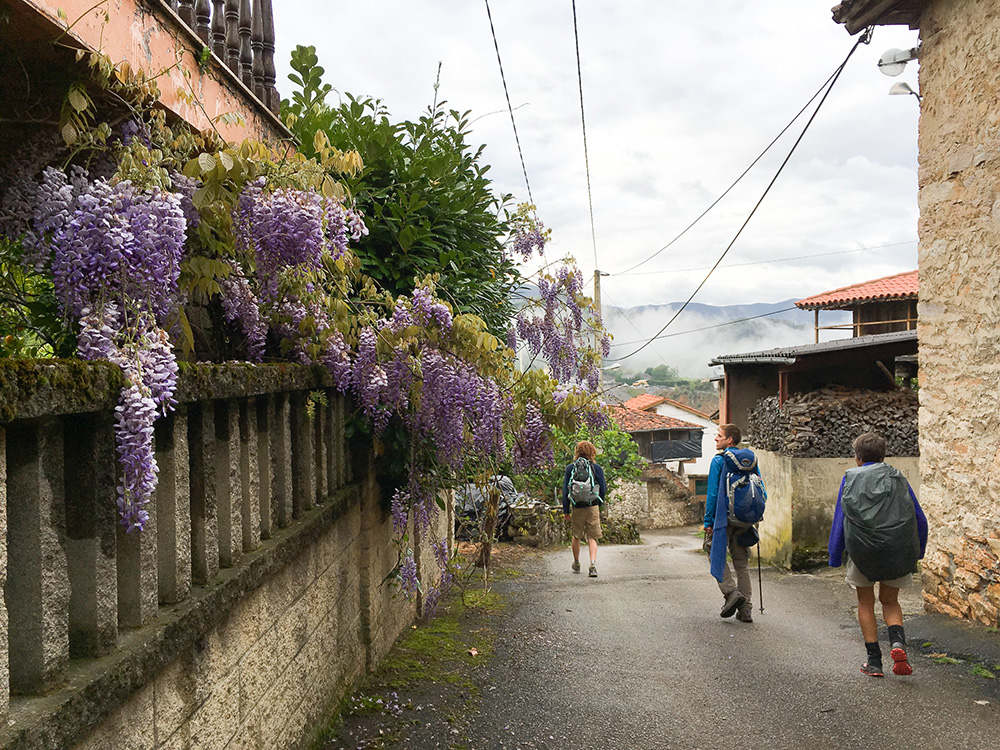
<point x="584" y="489"/>
<point x="734" y="505"/>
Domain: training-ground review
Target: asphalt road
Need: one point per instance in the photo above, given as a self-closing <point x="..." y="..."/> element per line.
<point x="639" y="658"/>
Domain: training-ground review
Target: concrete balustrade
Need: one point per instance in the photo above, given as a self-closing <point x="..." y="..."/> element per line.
<point x="246" y="478"/>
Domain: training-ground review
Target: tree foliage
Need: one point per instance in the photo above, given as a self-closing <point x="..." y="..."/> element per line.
<point x="424" y="192"/>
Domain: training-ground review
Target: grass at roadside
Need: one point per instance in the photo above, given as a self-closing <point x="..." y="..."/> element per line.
<point x="425" y="692"/>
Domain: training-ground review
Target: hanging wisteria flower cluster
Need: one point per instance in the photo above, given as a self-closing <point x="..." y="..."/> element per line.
<point x="114" y="253"/>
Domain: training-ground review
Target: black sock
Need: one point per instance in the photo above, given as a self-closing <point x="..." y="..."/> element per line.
<point x="896" y="634"/>
<point x="874" y="653"/>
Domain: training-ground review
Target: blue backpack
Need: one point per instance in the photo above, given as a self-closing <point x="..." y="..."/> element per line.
<point x="744" y="487"/>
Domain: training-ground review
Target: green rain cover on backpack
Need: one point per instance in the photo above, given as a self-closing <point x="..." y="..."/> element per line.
<point x="880" y="523"/>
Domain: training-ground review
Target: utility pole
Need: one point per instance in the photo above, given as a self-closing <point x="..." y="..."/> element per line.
<point x="597" y="304"/>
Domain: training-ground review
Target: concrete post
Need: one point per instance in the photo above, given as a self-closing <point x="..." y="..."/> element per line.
<point x="204" y="520"/>
<point x="321" y="419"/>
<point x="228" y="484"/>
<point x="37" y="591"/>
<point x="262" y="420"/>
<point x="4" y="665"/>
<point x="249" y="475"/>
<point x="303" y="471"/>
<point x="91" y="544"/>
<point x="173" y="507"/>
<point x="281" y="461"/>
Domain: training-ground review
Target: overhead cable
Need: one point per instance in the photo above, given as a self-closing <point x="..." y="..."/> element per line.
<point x="583" y="122"/>
<point x="743" y="174"/>
<point x="510" y="109"/>
<point x="772" y="260"/>
<point x="864" y="38"/>
<point x="708" y="328"/>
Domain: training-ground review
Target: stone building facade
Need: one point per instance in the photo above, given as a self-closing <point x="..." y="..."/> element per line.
<point x="959" y="308"/>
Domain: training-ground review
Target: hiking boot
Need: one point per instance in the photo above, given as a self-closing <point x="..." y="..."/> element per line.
<point x="576" y="566"/>
<point x="873" y="669"/>
<point x="734" y="600"/>
<point x="900" y="665"/>
<point x="744" y="615"/>
<point x="593" y="571"/>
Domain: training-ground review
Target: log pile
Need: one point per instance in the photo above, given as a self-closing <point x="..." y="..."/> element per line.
<point x="822" y="423"/>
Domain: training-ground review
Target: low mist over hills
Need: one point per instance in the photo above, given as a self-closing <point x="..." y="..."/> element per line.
<point x="702" y="332"/>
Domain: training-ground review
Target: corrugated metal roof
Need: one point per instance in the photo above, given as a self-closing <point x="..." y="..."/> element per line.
<point x="897" y="286"/>
<point x="790" y="354"/>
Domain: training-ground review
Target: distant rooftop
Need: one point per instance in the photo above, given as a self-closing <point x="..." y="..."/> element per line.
<point x="633" y="420"/>
<point x="898" y="286"/>
<point x="789" y="354"/>
<point x="647" y="401"/>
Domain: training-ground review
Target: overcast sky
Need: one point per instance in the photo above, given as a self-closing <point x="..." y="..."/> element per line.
<point x="680" y="97"/>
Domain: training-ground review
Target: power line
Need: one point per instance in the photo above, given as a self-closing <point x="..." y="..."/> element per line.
<point x="865" y="38"/>
<point x="510" y="109"/>
<point x="708" y="328"/>
<point x="583" y="122"/>
<point x="772" y="260"/>
<point x="735" y="182"/>
<point x="621" y="311"/>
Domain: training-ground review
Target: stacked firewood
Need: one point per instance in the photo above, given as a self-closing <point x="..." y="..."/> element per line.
<point x="823" y="423"/>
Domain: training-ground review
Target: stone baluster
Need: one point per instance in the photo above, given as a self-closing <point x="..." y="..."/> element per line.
<point x="270" y="98"/>
<point x="228" y="482"/>
<point x="321" y="422"/>
<point x="233" y="35"/>
<point x="330" y="440"/>
<point x="185" y="9"/>
<point x="264" y="470"/>
<point x="279" y="434"/>
<point x="37" y="592"/>
<point x="204" y="518"/>
<point x="203" y="20"/>
<point x="346" y="457"/>
<point x="4" y="664"/>
<point x="250" y="475"/>
<point x="173" y="507"/>
<point x="138" y="590"/>
<point x="91" y="537"/>
<point x="219" y="28"/>
<point x="246" y="52"/>
<point x="257" y="46"/>
<point x="303" y="470"/>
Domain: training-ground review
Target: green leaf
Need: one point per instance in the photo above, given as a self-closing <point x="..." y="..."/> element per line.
<point x="78" y="100"/>
<point x="206" y="162"/>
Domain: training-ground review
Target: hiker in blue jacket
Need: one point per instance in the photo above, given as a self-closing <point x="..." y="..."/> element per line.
<point x="880" y="525"/>
<point x="586" y="513"/>
<point x="736" y="589"/>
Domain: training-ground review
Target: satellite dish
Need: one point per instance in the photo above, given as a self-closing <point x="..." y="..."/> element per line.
<point x="893" y="61"/>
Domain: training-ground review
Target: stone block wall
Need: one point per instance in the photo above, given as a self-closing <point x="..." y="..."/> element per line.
<point x="254" y="597"/>
<point x="660" y="500"/>
<point x="801" y="497"/>
<point x="959" y="307"/>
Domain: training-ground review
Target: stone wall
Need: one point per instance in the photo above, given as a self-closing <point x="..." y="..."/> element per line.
<point x="959" y="308"/>
<point x="801" y="497"/>
<point x="660" y="500"/>
<point x="254" y="597"/>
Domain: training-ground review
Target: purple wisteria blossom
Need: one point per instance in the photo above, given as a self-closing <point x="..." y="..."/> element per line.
<point x="532" y="444"/>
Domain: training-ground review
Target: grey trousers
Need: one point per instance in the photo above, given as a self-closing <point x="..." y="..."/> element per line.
<point x="741" y="559"/>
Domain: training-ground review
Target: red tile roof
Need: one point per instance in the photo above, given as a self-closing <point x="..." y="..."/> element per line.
<point x="899" y="286"/>
<point x="643" y="402"/>
<point x="648" y="401"/>
<point x="633" y="420"/>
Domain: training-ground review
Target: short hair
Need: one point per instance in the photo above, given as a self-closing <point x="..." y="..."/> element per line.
<point x="731" y="431"/>
<point x="869" y="447"/>
<point x="586" y="449"/>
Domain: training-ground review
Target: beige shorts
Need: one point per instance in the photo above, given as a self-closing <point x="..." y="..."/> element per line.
<point x="587" y="522"/>
<point x="858" y="580"/>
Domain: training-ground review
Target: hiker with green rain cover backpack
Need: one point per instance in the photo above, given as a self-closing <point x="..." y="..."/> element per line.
<point x="880" y="524"/>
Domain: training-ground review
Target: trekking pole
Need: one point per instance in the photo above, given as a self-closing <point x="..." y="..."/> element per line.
<point x="760" y="589"/>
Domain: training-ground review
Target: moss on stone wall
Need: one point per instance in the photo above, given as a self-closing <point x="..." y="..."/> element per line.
<point x="37" y="387"/>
